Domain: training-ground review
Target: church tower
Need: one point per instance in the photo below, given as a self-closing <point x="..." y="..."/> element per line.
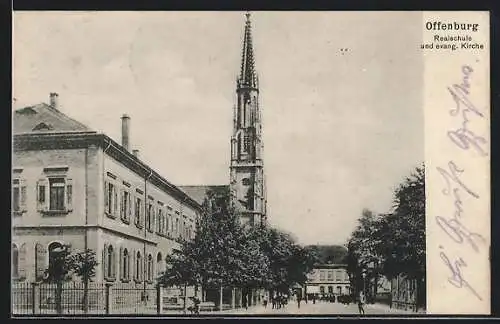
<point x="247" y="183"/>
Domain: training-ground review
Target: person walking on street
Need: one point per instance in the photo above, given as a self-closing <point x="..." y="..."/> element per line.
<point x="361" y="303"/>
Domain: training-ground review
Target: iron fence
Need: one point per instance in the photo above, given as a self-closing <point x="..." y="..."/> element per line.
<point x="76" y="298"/>
<point x="117" y="298"/>
<point x="134" y="299"/>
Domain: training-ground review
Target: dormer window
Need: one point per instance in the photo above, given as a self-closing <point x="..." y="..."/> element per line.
<point x="43" y="126"/>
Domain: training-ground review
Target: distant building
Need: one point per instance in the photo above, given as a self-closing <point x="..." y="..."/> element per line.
<point x="329" y="276"/>
<point x="74" y="186"/>
<point x="328" y="279"/>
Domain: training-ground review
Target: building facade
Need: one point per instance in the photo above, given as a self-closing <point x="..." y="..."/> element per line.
<point x="247" y="181"/>
<point x="74" y="186"/>
<point x="327" y="280"/>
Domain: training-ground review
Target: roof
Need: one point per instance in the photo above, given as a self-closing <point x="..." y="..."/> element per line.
<point x="43" y="127"/>
<point x="42" y="118"/>
<point x="328" y="254"/>
<point x="330" y="266"/>
<point x="198" y="193"/>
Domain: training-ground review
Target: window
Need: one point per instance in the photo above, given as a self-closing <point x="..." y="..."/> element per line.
<point x="150" y="215"/>
<point x="56" y="194"/>
<point x="150" y="268"/>
<point x="167" y="224"/>
<point x="19" y="196"/>
<point x="322" y="275"/>
<point x="176" y="226"/>
<point x="170" y="226"/>
<point x="110" y="263"/>
<point x="322" y="289"/>
<point x="339" y="290"/>
<point x="59" y="197"/>
<point x="40" y="257"/>
<point x="246" y="143"/>
<point x="125" y="265"/>
<point x="15" y="261"/>
<point x="159" y="264"/>
<point x="245" y="181"/>
<point x="125" y="209"/>
<point x="138" y="267"/>
<point x="330" y="289"/>
<point x="111" y="199"/>
<point x="330" y="275"/>
<point x="161" y="229"/>
<point x="138" y="212"/>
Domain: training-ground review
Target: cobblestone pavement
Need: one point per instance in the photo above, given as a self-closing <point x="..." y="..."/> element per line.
<point x="320" y="308"/>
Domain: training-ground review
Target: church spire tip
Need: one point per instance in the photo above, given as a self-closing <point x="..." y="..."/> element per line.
<point x="248" y="77"/>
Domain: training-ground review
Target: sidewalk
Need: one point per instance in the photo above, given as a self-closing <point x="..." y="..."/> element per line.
<point x="388" y="309"/>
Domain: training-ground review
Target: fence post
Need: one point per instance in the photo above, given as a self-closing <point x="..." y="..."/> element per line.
<point x="108" y="296"/>
<point x="35" y="297"/>
<point x="159" y="299"/>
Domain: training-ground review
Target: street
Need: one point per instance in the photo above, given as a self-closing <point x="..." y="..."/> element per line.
<point x="320" y="308"/>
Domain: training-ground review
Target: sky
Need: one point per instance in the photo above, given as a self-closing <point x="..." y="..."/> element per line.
<point x="340" y="92"/>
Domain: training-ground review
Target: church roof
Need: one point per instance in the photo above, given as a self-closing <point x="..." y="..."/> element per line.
<point x="44" y="118"/>
<point x="198" y="193"/>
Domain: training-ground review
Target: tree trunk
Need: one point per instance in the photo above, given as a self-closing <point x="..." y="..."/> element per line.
<point x="59" y="288"/>
<point x="85" y="296"/>
<point x="220" y="297"/>
<point x="185" y="298"/>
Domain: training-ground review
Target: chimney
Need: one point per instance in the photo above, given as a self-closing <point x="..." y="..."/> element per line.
<point x="54" y="99"/>
<point x="136" y="153"/>
<point x="125" y="131"/>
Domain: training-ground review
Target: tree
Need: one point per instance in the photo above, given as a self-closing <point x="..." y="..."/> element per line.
<point x="288" y="262"/>
<point x="83" y="265"/>
<point x="221" y="253"/>
<point x="59" y="270"/>
<point x="394" y="242"/>
<point x="225" y="253"/>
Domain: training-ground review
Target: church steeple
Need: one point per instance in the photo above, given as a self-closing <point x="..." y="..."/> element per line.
<point x="248" y="75"/>
<point x="248" y="193"/>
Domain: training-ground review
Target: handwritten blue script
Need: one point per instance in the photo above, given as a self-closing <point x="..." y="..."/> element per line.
<point x="454" y="186"/>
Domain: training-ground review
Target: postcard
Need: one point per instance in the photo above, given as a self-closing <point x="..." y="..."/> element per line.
<point x="268" y="163"/>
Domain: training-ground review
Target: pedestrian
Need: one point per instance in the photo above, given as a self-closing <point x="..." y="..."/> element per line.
<point x="265" y="302"/>
<point x="361" y="303"/>
<point x="314" y="299"/>
<point x="299" y="298"/>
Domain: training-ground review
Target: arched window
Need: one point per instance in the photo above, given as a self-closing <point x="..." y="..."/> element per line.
<point x="150" y="267"/>
<point x="125" y="265"/>
<point x="159" y="264"/>
<point x="110" y="260"/>
<point x="138" y="263"/>
<point x="15" y="261"/>
<point x="54" y="248"/>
